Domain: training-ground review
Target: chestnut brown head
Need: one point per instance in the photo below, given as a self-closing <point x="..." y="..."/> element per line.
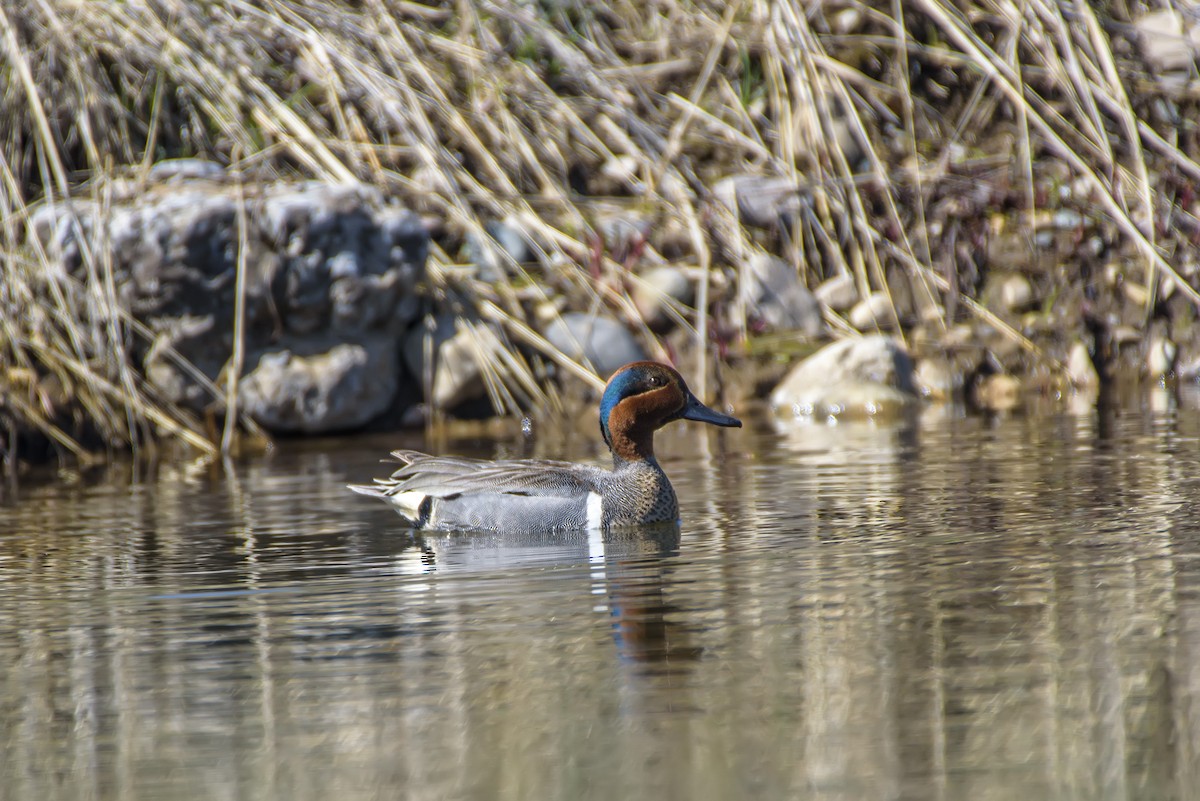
<point x="641" y="398"/>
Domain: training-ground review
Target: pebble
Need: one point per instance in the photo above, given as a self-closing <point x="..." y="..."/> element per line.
<point x="1080" y="368"/>
<point x="1160" y="356"/>
<point x="873" y="311"/>
<point x="838" y="293"/>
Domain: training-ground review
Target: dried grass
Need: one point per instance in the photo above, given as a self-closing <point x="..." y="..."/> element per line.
<point x="471" y="111"/>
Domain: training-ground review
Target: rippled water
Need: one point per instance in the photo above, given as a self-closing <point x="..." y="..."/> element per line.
<point x="961" y="608"/>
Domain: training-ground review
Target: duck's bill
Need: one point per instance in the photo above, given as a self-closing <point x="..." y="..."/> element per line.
<point x="695" y="410"/>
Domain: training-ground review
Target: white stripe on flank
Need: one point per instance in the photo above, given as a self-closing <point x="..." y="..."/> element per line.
<point x="595" y="520"/>
<point x="595" y="510"/>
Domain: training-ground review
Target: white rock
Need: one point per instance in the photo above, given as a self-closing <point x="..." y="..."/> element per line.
<point x="1016" y="293"/>
<point x="1080" y="368"/>
<point x="873" y="311"/>
<point x="936" y="379"/>
<point x="1160" y="356"/>
<point x="1168" y="41"/>
<point x="839" y="293"/>
<point x="861" y="376"/>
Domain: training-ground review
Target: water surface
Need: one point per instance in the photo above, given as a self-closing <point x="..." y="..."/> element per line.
<point x="961" y="608"/>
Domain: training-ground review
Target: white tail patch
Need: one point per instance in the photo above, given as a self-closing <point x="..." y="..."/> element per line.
<point x="408" y="503"/>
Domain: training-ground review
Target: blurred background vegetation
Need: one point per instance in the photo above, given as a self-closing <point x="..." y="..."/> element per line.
<point x="924" y="153"/>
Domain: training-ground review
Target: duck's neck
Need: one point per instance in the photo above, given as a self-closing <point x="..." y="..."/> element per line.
<point x="632" y="444"/>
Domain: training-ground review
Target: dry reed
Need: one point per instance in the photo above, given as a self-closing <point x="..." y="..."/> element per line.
<point x="471" y="111"/>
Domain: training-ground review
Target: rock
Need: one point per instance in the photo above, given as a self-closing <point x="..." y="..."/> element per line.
<point x="1168" y="40"/>
<point x="847" y="21"/>
<point x="1160" y="356"/>
<point x="601" y="341"/>
<point x="501" y="239"/>
<point x="623" y="233"/>
<point x="1011" y="292"/>
<point x="1081" y="370"/>
<point x="937" y="380"/>
<point x="873" y="311"/>
<point x="330" y="233"/>
<point x="194" y="339"/>
<point x="327" y="265"/>
<point x="867" y="376"/>
<point x="1187" y="367"/>
<point x="341" y="387"/>
<point x="658" y="290"/>
<point x="622" y="171"/>
<point x="760" y="201"/>
<point x="186" y="170"/>
<point x="998" y="393"/>
<point x="773" y="298"/>
<point x="457" y="375"/>
<point x="839" y="293"/>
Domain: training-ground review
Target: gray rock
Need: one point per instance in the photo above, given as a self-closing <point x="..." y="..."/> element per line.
<point x="661" y="287"/>
<point x="326" y="265"/>
<point x="773" y="298"/>
<point x="501" y="238"/>
<point x="195" y="339"/>
<point x="457" y="375"/>
<point x="601" y="341"/>
<point x="622" y="232"/>
<point x="869" y="376"/>
<point x="329" y="233"/>
<point x="760" y="201"/>
<point x="839" y="293"/>
<point x="338" y="388"/>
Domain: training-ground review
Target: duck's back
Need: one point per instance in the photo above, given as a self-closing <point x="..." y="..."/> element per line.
<point x="524" y="495"/>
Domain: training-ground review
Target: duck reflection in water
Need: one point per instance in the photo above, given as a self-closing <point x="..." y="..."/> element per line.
<point x="629" y="568"/>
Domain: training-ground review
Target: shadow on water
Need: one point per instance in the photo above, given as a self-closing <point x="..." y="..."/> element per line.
<point x="960" y="608"/>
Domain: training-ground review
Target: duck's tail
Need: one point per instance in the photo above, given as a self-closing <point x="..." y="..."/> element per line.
<point x="374" y="490"/>
<point x="412" y="506"/>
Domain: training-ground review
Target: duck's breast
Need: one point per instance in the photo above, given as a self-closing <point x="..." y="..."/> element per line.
<point x="637" y="493"/>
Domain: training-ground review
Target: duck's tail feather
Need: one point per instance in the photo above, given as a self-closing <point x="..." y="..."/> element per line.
<point x="413" y="506"/>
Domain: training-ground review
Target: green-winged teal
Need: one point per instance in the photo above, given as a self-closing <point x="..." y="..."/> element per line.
<point x="447" y="492"/>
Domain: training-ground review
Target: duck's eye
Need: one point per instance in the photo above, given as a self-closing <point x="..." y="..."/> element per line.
<point x="656" y="381"/>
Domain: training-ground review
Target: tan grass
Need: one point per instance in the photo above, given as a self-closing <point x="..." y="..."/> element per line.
<point x="472" y="111"/>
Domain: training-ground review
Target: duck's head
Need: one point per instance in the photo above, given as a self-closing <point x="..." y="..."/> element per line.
<point x="641" y="398"/>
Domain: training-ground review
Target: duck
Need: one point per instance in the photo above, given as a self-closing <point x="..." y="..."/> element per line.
<point x="456" y="493"/>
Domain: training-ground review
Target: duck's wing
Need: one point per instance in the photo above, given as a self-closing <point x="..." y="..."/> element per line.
<point x="448" y="476"/>
<point x="456" y="492"/>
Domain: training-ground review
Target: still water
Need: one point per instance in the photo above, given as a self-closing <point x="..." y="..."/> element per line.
<point x="959" y="608"/>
